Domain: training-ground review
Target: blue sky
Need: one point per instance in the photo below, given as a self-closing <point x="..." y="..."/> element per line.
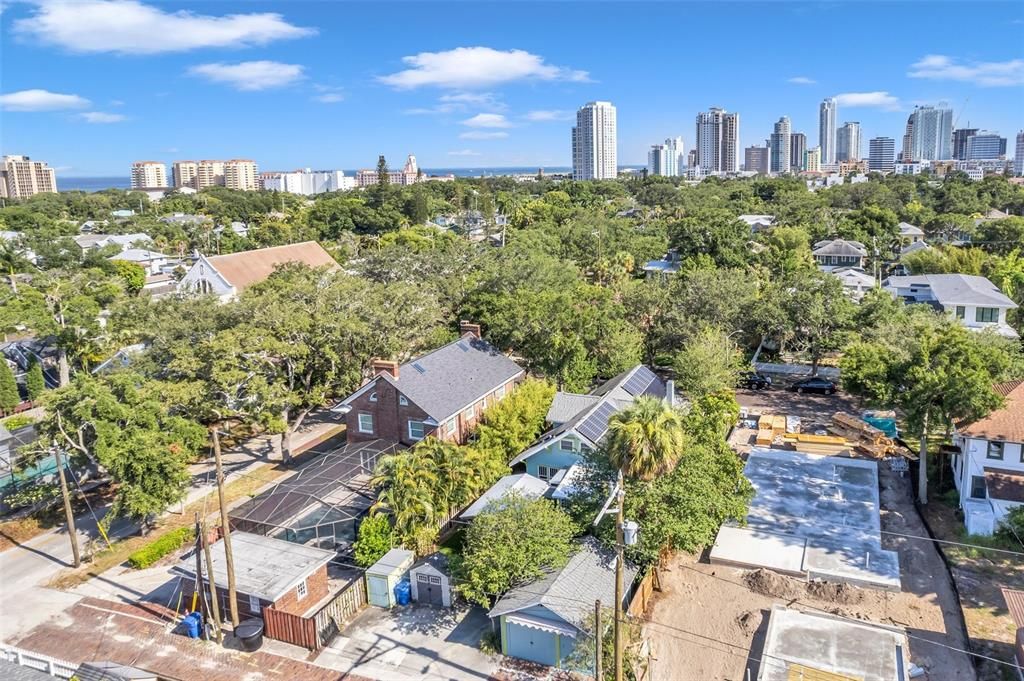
<point x="92" y="85"/>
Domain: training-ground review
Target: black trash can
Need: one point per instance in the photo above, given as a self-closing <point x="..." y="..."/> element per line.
<point x="250" y="633"/>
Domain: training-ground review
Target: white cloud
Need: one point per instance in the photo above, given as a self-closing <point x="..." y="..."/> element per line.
<point x="131" y="27"/>
<point x="487" y="120"/>
<point x="483" y="135"/>
<point x="464" y="152"/>
<point x="250" y="75"/>
<point x="802" y="80"/>
<point x="870" y="100"/>
<point x="988" y="74"/>
<point x="101" y="117"/>
<point x="40" y="100"/>
<point x="549" y="115"/>
<point x="476" y="67"/>
<point x="329" y="98"/>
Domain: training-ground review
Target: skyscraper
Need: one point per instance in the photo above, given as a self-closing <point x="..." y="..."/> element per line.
<point x="757" y="160"/>
<point x="148" y="174"/>
<point x="240" y="173"/>
<point x="985" y="146"/>
<point x="185" y="173"/>
<point x="797" y="149"/>
<point x="827" y="130"/>
<point x="907" y="150"/>
<point x="779" y="142"/>
<point x="667" y="159"/>
<point x="931" y="134"/>
<point x="21" y="177"/>
<point x="960" y="136"/>
<point x="848" y="142"/>
<point x="718" y="134"/>
<point x="812" y="160"/>
<point x="881" y="154"/>
<point x="594" y="141"/>
<point x="1018" y="156"/>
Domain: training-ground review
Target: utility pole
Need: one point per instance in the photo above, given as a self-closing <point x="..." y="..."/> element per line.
<point x="214" y="605"/>
<point x="598" y="640"/>
<point x="619" y="547"/>
<point x="68" y="512"/>
<point x="229" y="560"/>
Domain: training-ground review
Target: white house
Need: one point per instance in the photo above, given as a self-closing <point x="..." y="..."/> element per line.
<point x="910" y="233"/>
<point x="758" y="222"/>
<point x="975" y="301"/>
<point x="856" y="282"/>
<point x="989" y="470"/>
<point x="225" y="276"/>
<point x="833" y="253"/>
<point x="92" y="241"/>
<point x="151" y="261"/>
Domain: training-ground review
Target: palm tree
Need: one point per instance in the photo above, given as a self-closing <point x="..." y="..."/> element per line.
<point x="646" y="439"/>
<point x="406" y="485"/>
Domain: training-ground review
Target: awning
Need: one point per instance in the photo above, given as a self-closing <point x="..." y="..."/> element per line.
<point x="541" y="624"/>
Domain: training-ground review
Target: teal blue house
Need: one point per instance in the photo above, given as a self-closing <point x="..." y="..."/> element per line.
<point x="579" y="423"/>
<point x="543" y="621"/>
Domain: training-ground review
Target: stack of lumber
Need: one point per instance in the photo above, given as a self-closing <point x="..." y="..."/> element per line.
<point x="869" y="440"/>
<point x="770" y="427"/>
<point x="827" y="445"/>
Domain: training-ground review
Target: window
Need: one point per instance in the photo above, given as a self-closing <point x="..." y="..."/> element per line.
<point x="546" y="472"/>
<point x="986" y="314"/>
<point x="977" y="487"/>
<point x="254" y="605"/>
<point x="566" y="445"/>
<point x="416" y="430"/>
<point x="995" y="450"/>
<point x="373" y="396"/>
<point x="449" y="427"/>
<point x="366" y="423"/>
<point x="301" y="590"/>
<point x="500" y="392"/>
<point x="403" y="400"/>
<point x="468" y="414"/>
<point x="961" y="311"/>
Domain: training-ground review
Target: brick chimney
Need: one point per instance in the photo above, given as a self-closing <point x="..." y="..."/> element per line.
<point x="469" y="327"/>
<point x="384" y="366"/>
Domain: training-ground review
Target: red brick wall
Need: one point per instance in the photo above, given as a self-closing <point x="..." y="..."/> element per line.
<point x="390" y="419"/>
<point x="316" y="591"/>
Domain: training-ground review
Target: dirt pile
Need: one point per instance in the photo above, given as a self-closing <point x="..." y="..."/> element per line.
<point x="835" y="593"/>
<point x="768" y="583"/>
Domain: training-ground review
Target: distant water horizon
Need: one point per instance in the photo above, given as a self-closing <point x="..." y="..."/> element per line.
<point x="98" y="183"/>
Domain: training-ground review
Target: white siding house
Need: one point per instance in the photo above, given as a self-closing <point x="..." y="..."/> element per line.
<point x="973" y="300"/>
<point x="989" y="470"/>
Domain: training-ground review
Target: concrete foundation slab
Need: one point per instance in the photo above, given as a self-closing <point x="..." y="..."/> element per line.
<point x="801" y="642"/>
<point x="830" y="504"/>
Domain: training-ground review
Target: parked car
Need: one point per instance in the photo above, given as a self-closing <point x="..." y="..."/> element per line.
<point x="751" y="380"/>
<point x="814" y="384"/>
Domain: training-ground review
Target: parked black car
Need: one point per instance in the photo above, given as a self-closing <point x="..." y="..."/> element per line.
<point x="751" y="380"/>
<point x="814" y="384"/>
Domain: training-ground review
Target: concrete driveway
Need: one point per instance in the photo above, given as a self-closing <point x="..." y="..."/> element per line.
<point x="413" y="642"/>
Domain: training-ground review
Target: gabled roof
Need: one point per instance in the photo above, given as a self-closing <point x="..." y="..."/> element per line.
<point x="523" y="484"/>
<point x="244" y="269"/>
<point x="451" y="378"/>
<point x="853" y="276"/>
<point x="139" y="255"/>
<point x="914" y="248"/>
<point x="567" y="405"/>
<point x="1006" y="423"/>
<point x="591" y="423"/>
<point x="839" y="247"/>
<point x="264" y="566"/>
<point x="907" y="229"/>
<point x="956" y="289"/>
<point x="570" y="592"/>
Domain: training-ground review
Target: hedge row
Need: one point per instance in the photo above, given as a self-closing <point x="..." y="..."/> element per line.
<point x="151" y="553"/>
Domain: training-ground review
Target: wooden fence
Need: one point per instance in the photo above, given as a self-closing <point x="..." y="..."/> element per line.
<point x="644" y="593"/>
<point x="317" y="631"/>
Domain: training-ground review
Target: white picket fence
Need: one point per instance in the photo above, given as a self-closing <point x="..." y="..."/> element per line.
<point x="60" y="669"/>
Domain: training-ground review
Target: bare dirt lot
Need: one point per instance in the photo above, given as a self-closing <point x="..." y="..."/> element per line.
<point x="709" y="622"/>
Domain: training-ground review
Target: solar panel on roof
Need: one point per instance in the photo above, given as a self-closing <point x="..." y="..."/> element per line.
<point x="463" y="346"/>
<point x="418" y="367"/>
<point x="639" y="381"/>
<point x="595" y="425"/>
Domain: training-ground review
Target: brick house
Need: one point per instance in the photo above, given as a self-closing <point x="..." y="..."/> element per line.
<point x="269" y="573"/>
<point x="442" y="394"/>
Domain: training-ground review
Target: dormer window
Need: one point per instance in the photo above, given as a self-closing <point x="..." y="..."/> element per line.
<point x="995" y="450"/>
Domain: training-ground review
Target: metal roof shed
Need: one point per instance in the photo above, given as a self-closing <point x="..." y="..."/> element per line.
<point x="383" y="575"/>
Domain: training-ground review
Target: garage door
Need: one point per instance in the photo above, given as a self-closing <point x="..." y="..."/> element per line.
<point x="428" y="588"/>
<point x="531" y="644"/>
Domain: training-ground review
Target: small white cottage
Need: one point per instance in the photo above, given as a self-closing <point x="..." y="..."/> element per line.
<point x="431" y="580"/>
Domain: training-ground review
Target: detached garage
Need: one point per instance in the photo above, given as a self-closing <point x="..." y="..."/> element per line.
<point x="431" y="581"/>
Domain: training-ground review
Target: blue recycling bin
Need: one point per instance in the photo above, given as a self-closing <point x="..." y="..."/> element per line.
<point x="403" y="592"/>
<point x="193" y="624"/>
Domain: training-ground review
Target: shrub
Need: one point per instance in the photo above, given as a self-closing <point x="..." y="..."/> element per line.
<point x="154" y="551"/>
<point x="13" y="423"/>
<point x="375" y="539"/>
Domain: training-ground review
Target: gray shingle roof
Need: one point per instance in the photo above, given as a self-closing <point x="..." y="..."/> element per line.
<point x="907" y="229"/>
<point x="449" y="379"/>
<point x="15" y="672"/>
<point x="839" y="247"/>
<point x="570" y="592"/>
<point x="956" y="289"/>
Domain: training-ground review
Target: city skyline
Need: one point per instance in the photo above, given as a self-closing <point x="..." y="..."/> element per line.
<point x="459" y="96"/>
